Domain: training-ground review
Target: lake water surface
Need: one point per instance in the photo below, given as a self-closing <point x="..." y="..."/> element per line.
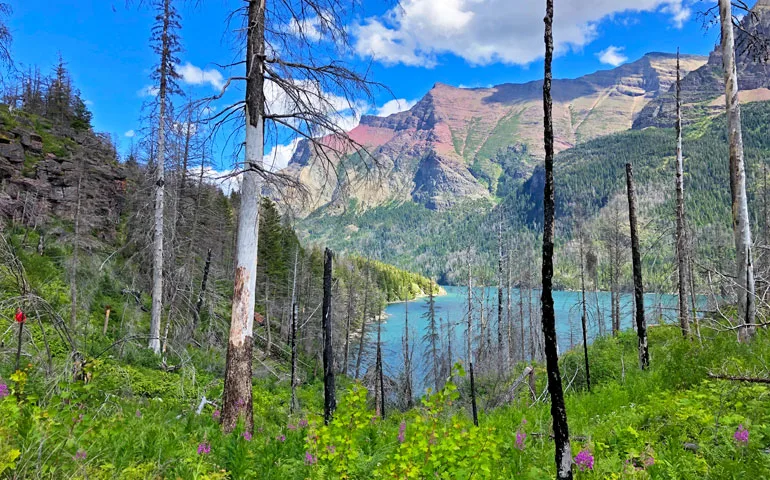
<point x="453" y="307"/>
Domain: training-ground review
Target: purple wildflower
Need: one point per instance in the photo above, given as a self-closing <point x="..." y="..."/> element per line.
<point x="521" y="437"/>
<point x="331" y="449"/>
<point x="649" y="461"/>
<point x="584" y="460"/>
<point x="302" y="423"/>
<point x="4" y="391"/>
<point x="204" y="448"/>
<point x="216" y="415"/>
<point x="281" y="438"/>
<point x="741" y="435"/>
<point x="523" y="421"/>
<point x="81" y="455"/>
<point x="292" y="427"/>
<point x="310" y="459"/>
<point x="247" y="436"/>
<point x="402" y="432"/>
<point x="138" y="414"/>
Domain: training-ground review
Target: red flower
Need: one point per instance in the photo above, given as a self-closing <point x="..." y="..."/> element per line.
<point x="20" y="316"/>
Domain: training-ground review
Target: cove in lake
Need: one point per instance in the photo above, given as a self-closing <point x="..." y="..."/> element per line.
<point x="453" y="308"/>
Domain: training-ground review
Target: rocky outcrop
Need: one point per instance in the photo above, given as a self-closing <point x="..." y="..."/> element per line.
<point x="703" y="89"/>
<point x="41" y="167"/>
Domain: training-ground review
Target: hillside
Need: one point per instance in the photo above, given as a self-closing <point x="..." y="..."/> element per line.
<point x="589" y="179"/>
<point x="703" y="88"/>
<point x="463" y="144"/>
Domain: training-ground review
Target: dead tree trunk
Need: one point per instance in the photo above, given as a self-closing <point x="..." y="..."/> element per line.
<point x="237" y="401"/>
<point x="350" y="311"/>
<point x="330" y="401"/>
<point x="362" y="338"/>
<point x="202" y="292"/>
<point x="500" y="322"/>
<point x="741" y="224"/>
<point x="681" y="236"/>
<point x="636" y="257"/>
<point x="584" y="317"/>
<point x="407" y="356"/>
<point x="293" y="332"/>
<point x="470" y="342"/>
<point x="563" y="451"/>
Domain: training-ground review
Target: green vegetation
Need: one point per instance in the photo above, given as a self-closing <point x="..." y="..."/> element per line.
<point x="130" y="421"/>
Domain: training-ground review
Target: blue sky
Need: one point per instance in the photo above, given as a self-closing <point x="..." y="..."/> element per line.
<point x="459" y="42"/>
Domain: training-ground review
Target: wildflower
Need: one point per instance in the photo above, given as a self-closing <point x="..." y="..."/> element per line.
<point x="204" y="448"/>
<point x="649" y="461"/>
<point x="247" y="436"/>
<point x="331" y="449"/>
<point x="741" y="435"/>
<point x="281" y="438"/>
<point x="523" y="421"/>
<point x="310" y="459"/>
<point x="302" y="423"/>
<point x="520" y="438"/>
<point x="81" y="455"/>
<point x="138" y="414"/>
<point x="584" y="460"/>
<point x="4" y="391"/>
<point x="292" y="427"/>
<point x="216" y="415"/>
<point x="402" y="432"/>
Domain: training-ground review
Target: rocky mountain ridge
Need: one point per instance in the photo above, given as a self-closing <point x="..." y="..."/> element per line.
<point x="457" y="144"/>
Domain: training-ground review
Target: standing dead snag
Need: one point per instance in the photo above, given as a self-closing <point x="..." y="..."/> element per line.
<point x="741" y="224"/>
<point x="584" y="316"/>
<point x="330" y="402"/>
<point x="636" y="257"/>
<point x="237" y="402"/>
<point x="563" y="450"/>
<point x="470" y="343"/>
<point x="681" y="235"/>
<point x="166" y="47"/>
<point x="293" y="332"/>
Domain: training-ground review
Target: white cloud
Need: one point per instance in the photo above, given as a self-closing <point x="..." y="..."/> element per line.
<point x="612" y="55"/>
<point x="148" y="91"/>
<point x="280" y="155"/>
<point x="416" y="32"/>
<point x="394" y="106"/>
<point x="130" y="134"/>
<point x="193" y="75"/>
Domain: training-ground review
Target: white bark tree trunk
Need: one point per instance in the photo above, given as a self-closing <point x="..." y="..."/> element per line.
<point x="237" y="401"/>
<point x="740" y="207"/>
<point x="681" y="236"/>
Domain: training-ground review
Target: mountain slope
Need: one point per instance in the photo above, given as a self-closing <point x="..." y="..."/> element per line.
<point x="703" y="89"/>
<point x="458" y="144"/>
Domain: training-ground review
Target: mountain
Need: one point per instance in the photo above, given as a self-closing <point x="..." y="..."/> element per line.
<point x="703" y="89"/>
<point x="461" y="144"/>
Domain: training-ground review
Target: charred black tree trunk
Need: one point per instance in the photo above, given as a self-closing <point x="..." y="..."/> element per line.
<point x="330" y="402"/>
<point x="681" y="237"/>
<point x="563" y="453"/>
<point x="636" y="257"/>
<point x="293" y="333"/>
<point x="584" y="317"/>
<point x="500" y="323"/>
<point x="470" y="343"/>
<point x="202" y="293"/>
<point x="362" y="337"/>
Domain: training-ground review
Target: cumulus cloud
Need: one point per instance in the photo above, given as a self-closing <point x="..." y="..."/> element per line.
<point x="394" y="106"/>
<point x="488" y="31"/>
<point x="279" y="156"/>
<point x="192" y="75"/>
<point x="130" y="134"/>
<point x="612" y="55"/>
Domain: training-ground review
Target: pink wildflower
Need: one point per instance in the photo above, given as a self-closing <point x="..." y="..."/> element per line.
<point x="4" y="391"/>
<point x="302" y="423"/>
<point x="247" y="436"/>
<point x="292" y="427"/>
<point x="402" y="432"/>
<point x="216" y="414"/>
<point x="204" y="448"/>
<point x="138" y="414"/>
<point x="281" y="438"/>
<point x="310" y="459"/>
<point x="584" y="460"/>
<point x="80" y="455"/>
<point x="741" y="435"/>
<point x="521" y="437"/>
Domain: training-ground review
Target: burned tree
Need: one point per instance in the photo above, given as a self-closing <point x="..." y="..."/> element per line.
<point x="563" y="450"/>
<point x="636" y="257"/>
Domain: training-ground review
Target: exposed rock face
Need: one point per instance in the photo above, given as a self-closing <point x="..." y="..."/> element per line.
<point x="703" y="89"/>
<point x="37" y="184"/>
<point x="453" y="144"/>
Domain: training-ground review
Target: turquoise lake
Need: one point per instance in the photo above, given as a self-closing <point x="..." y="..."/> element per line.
<point x="453" y="308"/>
